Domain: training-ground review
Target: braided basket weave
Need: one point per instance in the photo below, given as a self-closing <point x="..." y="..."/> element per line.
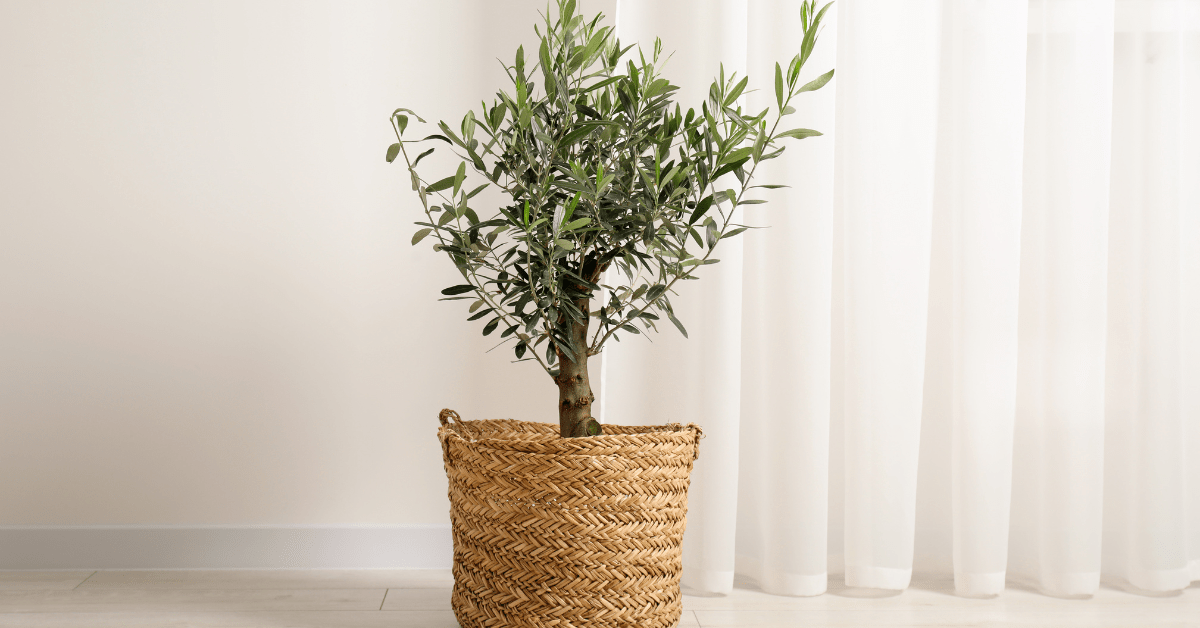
<point x="567" y="532"/>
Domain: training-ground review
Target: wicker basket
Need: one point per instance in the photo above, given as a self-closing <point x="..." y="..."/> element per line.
<point x="567" y="532"/>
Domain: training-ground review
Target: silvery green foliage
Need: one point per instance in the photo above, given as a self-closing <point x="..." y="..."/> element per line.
<point x="601" y="168"/>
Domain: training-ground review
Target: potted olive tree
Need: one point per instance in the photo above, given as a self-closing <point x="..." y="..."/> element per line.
<point x="613" y="195"/>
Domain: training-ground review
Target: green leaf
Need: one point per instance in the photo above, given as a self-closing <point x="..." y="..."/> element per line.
<point x="734" y="232"/>
<point x="779" y="85"/>
<point x="816" y="83"/>
<point x="445" y="129"/>
<point x="409" y="112"/>
<point x="738" y="155"/>
<point x="481" y="313"/>
<point x="544" y="58"/>
<point x="678" y="325"/>
<point x="594" y="86"/>
<point x="800" y="133"/>
<point x="420" y="235"/>
<point x="727" y="168"/>
<point x="420" y="157"/>
<point x="657" y="87"/>
<point x="491" y="326"/>
<point x="453" y="290"/>
<point x="737" y="91"/>
<point x="570" y="209"/>
<point x="574" y="136"/>
<point x="820" y="14"/>
<point x="392" y="151"/>
<point x="575" y="224"/>
<point x="476" y="160"/>
<point x="497" y="115"/>
<point x="701" y="207"/>
<point x="460" y="176"/>
<point x="440" y="185"/>
<point x="403" y="122"/>
<point x="565" y="244"/>
<point x="793" y="71"/>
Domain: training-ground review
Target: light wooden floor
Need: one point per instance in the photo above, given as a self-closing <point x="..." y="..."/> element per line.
<point x="421" y="599"/>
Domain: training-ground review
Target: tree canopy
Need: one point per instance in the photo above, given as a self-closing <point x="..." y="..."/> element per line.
<point x="600" y="169"/>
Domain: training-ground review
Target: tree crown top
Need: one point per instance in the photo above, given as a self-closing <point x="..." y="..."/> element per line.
<point x="601" y="169"/>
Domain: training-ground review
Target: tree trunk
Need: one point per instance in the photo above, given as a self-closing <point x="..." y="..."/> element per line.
<point x="575" y="387"/>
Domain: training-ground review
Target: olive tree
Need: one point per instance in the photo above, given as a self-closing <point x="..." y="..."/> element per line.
<point x="600" y="170"/>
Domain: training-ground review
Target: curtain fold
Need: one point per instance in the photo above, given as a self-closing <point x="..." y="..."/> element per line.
<point x="783" y="483"/>
<point x="1059" y="440"/>
<point x="1146" y="523"/>
<point x="1188" y="26"/>
<point x="979" y="198"/>
<point x="887" y="133"/>
<point x="1039" y="163"/>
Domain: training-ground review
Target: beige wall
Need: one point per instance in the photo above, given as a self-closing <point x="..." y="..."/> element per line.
<point x="209" y="309"/>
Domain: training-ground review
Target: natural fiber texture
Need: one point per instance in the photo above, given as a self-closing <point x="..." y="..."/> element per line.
<point x="567" y="532"/>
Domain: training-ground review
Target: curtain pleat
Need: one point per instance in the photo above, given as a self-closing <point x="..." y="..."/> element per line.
<point x="886" y="136"/>
<point x="979" y="199"/>
<point x="1188" y="25"/>
<point x="1059" y="441"/>
<point x="783" y="484"/>
<point x="1012" y="185"/>
<point x="1146" y="523"/>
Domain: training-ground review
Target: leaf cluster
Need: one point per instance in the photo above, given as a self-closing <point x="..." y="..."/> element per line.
<point x="601" y="169"/>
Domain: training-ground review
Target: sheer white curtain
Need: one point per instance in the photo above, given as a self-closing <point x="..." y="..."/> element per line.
<point x="1007" y="189"/>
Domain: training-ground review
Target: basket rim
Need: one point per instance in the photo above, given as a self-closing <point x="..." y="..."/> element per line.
<point x="552" y="443"/>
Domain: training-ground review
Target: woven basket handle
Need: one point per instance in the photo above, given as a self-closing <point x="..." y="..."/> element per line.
<point x="453" y="423"/>
<point x="450" y="419"/>
<point x="447" y="415"/>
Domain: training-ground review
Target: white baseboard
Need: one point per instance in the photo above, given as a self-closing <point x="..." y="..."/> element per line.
<point x="226" y="547"/>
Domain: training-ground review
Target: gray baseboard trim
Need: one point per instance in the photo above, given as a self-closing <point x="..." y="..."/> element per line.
<point x="226" y="547"/>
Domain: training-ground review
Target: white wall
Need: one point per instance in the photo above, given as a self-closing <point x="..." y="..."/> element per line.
<point x="210" y="312"/>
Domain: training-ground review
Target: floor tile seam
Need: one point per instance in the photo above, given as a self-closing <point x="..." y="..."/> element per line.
<point x="1020" y="611"/>
<point x="194" y="611"/>
<point x="95" y="587"/>
<point x="85" y="579"/>
<point x="153" y="589"/>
